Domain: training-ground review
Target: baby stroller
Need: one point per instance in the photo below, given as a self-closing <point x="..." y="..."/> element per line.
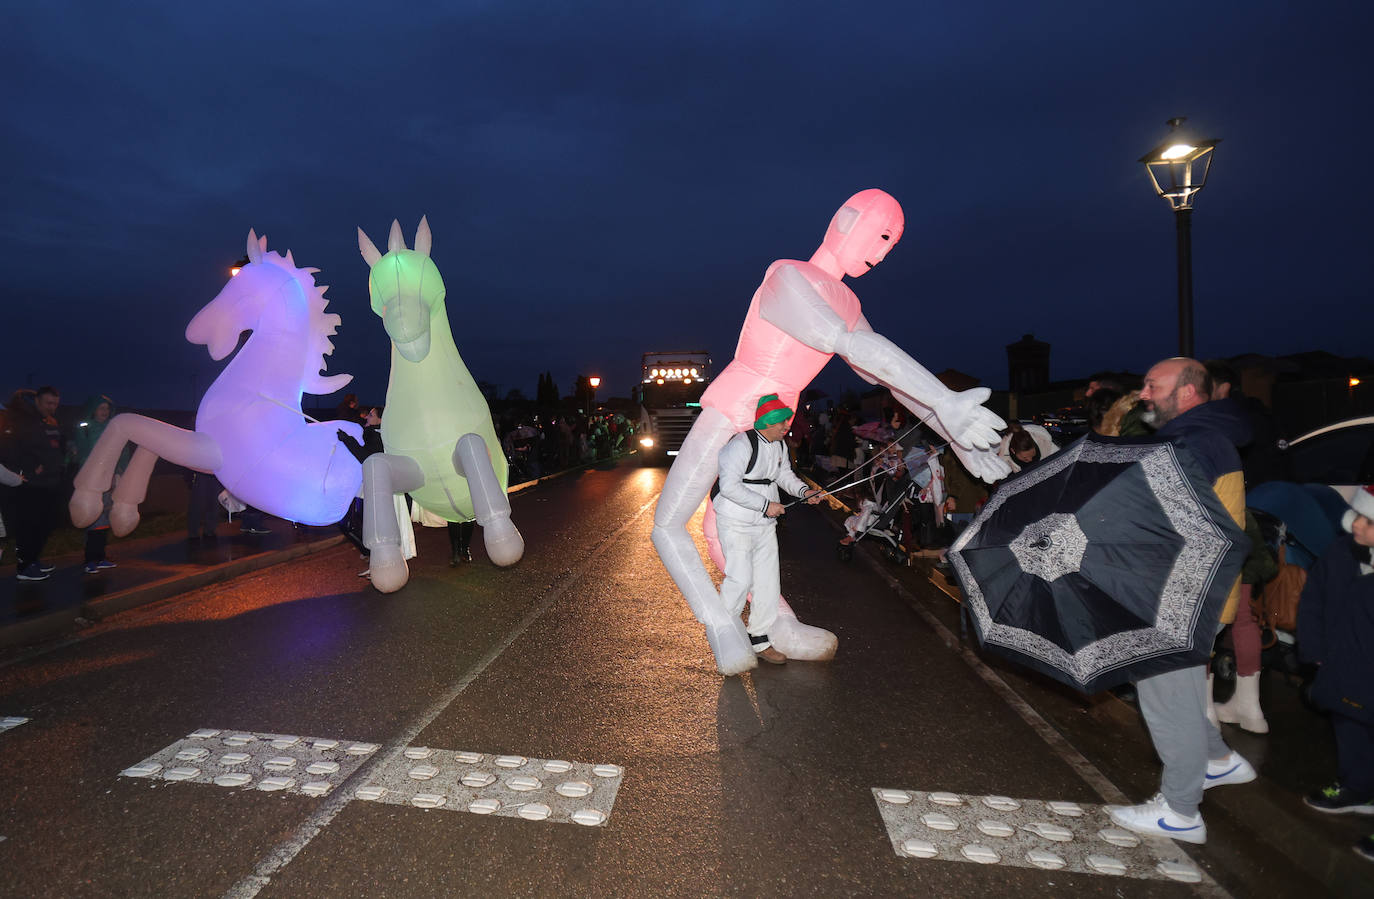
<point x="880" y="520"/>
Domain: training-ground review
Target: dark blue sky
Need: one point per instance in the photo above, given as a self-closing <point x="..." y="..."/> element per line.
<point x="608" y="178"/>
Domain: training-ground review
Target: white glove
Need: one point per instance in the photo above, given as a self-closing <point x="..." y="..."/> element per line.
<point x="982" y="463"/>
<point x="966" y="421"/>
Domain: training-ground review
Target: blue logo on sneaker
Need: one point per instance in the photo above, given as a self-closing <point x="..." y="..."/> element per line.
<point x="1224" y="773"/>
<point x="1164" y="826"/>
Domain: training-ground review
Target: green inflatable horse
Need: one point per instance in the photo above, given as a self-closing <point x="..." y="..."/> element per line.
<point x="440" y="445"/>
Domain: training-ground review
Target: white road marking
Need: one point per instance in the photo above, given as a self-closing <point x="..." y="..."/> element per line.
<point x="511" y="786"/>
<point x="11" y="723"/>
<point x="283" y="854"/>
<point x="1025" y="833"/>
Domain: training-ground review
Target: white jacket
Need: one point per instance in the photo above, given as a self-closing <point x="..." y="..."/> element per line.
<point x="743" y="503"/>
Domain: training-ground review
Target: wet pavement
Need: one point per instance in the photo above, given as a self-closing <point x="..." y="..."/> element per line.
<point x="147" y="569"/>
<point x="584" y="652"/>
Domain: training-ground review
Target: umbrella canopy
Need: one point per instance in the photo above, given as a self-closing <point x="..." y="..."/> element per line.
<point x="1311" y="513"/>
<point x="873" y="430"/>
<point x="1107" y="562"/>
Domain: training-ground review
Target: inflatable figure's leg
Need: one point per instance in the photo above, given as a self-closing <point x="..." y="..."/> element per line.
<point x="154" y="439"/>
<point x="384" y="476"/>
<point x="472" y="460"/>
<point x="792" y="638"/>
<point x="688" y="483"/>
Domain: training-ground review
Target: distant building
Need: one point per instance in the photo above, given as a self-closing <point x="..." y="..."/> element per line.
<point x="1028" y="365"/>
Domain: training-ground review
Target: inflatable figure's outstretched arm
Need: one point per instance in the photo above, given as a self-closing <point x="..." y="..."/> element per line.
<point x="981" y="463"/>
<point x="790" y="302"/>
<point x="155" y="439"/>
<point x="472" y="460"/>
<point x="384" y="476"/>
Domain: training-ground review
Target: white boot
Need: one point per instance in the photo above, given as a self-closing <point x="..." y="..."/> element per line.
<point x="1211" y="708"/>
<point x="1243" y="707"/>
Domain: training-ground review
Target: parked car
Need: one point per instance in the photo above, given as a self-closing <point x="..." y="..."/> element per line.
<point x="1323" y="467"/>
<point x="1340" y="454"/>
<point x="1064" y="424"/>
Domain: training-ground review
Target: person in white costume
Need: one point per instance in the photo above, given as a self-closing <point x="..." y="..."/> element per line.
<point x="753" y="466"/>
<point x="801" y="315"/>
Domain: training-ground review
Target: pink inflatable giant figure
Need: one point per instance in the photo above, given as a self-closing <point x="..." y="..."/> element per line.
<point x="801" y="315"/>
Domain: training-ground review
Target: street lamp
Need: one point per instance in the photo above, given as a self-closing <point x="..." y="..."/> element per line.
<point x="592" y="384"/>
<point x="1178" y="169"/>
<point x="237" y="267"/>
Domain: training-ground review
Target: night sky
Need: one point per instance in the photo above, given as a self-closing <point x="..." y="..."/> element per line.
<point x="604" y="178"/>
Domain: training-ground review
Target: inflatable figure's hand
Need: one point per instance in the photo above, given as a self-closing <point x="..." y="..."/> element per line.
<point x="982" y="463"/>
<point x="966" y="421"/>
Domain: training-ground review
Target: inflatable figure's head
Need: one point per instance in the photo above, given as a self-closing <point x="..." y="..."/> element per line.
<point x="406" y="289"/>
<point x="270" y="295"/>
<point x="862" y="232"/>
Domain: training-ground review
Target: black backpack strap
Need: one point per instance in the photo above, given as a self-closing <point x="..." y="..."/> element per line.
<point x="753" y="457"/>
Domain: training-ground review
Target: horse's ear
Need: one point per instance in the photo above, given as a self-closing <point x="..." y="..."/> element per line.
<point x="254" y="249"/>
<point x="396" y="240"/>
<point x="368" y="249"/>
<point x="422" y="237"/>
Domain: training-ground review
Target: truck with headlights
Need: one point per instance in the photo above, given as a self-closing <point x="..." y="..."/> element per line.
<point x="670" y="389"/>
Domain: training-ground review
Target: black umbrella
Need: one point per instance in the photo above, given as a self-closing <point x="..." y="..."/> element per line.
<point x="1109" y="561"/>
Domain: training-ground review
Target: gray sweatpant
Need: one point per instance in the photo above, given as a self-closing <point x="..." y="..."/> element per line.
<point x="1175" y="708"/>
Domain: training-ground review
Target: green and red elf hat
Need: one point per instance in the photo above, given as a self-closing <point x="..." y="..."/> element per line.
<point x="770" y="411"/>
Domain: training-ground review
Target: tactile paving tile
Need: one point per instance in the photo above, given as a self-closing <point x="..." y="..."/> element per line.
<point x="480" y="783"/>
<point x="508" y="785"/>
<point x="1022" y="833"/>
<point x="11" y="723"/>
<point x="267" y="762"/>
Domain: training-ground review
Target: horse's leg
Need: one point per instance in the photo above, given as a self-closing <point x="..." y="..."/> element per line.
<point x="97" y="473"/>
<point x="384" y="476"/>
<point x="687" y="484"/>
<point x="471" y="459"/>
<point x="154" y="438"/>
<point x="793" y="639"/>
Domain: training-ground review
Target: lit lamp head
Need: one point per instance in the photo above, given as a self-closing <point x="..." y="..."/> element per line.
<point x="595" y="382"/>
<point x="1178" y="167"/>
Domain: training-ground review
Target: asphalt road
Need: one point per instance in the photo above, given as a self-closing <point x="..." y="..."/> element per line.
<point x="761" y="785"/>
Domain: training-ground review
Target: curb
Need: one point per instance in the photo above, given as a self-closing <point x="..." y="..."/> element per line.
<point x="55" y="623"/>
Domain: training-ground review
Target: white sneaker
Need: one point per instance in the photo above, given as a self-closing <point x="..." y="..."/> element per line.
<point x="1233" y="769"/>
<point x="1155" y="818"/>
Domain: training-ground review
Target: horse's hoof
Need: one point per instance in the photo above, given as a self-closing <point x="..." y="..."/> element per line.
<point x="123" y="518"/>
<point x="387" y="569"/>
<point x="85" y="507"/>
<point x="504" y="544"/>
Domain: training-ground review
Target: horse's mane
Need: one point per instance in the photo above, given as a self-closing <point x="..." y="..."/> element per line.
<point x="323" y="325"/>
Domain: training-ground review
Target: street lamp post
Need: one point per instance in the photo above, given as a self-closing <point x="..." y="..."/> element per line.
<point x="592" y="382"/>
<point x="1178" y="169"/>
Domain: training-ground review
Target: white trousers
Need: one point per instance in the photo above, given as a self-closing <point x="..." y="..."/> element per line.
<point x="751" y="566"/>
